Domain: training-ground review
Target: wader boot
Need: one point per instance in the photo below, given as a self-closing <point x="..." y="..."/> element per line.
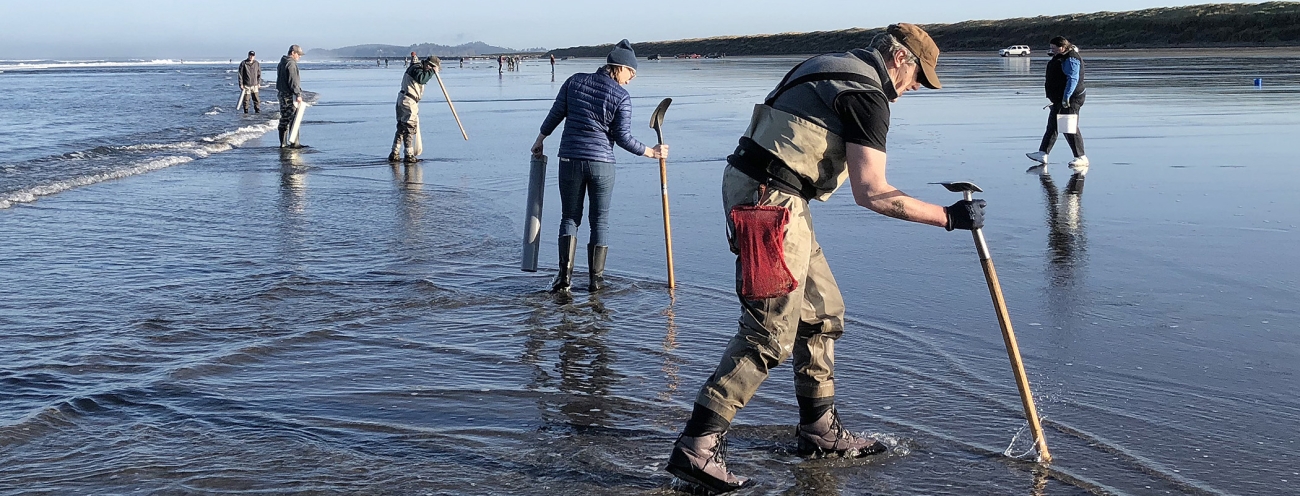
<point x="568" y="247"/>
<point x="596" y="266"/>
<point x="827" y="436"/>
<point x="702" y="461"/>
<point x="282" y="133"/>
<point x="396" y="154"/>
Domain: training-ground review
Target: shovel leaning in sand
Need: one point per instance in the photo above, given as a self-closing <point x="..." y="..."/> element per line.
<point x="1004" y="320"/>
<point x="657" y="123"/>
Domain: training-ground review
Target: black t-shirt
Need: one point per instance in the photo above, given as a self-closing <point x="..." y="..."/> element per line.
<point x="865" y="115"/>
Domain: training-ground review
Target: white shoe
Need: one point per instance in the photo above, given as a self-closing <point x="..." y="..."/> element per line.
<point x="1040" y="157"/>
<point x="1079" y="165"/>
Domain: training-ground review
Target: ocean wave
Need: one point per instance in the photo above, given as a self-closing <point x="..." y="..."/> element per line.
<point x="60" y="64"/>
<point x="157" y="156"/>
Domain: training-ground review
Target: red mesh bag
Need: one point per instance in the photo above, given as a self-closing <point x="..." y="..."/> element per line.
<point x="760" y="242"/>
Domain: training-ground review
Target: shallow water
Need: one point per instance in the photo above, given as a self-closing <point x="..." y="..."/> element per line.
<point x="236" y="320"/>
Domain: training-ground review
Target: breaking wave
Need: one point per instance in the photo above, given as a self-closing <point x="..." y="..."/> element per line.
<point x="129" y="160"/>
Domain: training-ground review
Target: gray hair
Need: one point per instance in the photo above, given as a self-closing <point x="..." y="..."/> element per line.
<point x="888" y="45"/>
<point x="295" y="49"/>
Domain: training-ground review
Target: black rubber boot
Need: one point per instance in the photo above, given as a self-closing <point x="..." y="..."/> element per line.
<point x="282" y="131"/>
<point x="563" y="280"/>
<point x="596" y="267"/>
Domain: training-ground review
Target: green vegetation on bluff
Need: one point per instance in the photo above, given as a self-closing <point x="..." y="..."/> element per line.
<point x="1210" y="25"/>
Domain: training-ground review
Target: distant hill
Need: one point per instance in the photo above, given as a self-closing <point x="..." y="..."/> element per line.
<point x="1209" y="25"/>
<point x="476" y="48"/>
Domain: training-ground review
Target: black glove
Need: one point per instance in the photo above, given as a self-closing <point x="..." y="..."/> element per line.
<point x="966" y="214"/>
<point x="1065" y="105"/>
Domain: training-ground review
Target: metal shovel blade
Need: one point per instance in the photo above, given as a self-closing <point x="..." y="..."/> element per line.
<point x="657" y="118"/>
<point x="960" y="186"/>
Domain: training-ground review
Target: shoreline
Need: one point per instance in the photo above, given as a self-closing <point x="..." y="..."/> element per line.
<point x="1168" y="52"/>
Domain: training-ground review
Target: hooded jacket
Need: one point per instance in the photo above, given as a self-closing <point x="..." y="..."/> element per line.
<point x="286" y="78"/>
<point x="599" y="113"/>
<point x="250" y="73"/>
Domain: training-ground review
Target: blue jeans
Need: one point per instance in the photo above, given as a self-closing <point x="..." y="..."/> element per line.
<point x="596" y="179"/>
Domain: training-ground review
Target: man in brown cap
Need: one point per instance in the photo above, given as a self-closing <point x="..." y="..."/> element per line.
<point x="824" y="123"/>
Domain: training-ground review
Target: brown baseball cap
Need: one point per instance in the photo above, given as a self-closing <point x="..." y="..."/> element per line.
<point x="919" y="42"/>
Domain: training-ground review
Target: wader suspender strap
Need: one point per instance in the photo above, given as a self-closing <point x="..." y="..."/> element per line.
<point x="821" y="76"/>
<point x="768" y="169"/>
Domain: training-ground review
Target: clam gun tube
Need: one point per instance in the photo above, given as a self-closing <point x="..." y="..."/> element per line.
<point x="533" y="212"/>
<point x="243" y="92"/>
<point x="292" y="138"/>
<point x="417" y="141"/>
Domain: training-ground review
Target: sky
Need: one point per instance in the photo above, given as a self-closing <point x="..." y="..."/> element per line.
<point x="152" y="29"/>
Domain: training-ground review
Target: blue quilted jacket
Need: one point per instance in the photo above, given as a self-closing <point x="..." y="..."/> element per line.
<point x="599" y="113"/>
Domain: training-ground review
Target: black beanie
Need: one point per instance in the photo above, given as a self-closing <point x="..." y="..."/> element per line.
<point x="623" y="55"/>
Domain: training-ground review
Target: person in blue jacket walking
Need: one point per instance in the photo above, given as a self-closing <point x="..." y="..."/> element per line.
<point x="1066" y="90"/>
<point x="599" y="113"/>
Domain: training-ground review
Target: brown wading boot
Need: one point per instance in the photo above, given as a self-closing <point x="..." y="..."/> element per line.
<point x="702" y="461"/>
<point x="596" y="267"/>
<point x="568" y="247"/>
<point x="827" y="436"/>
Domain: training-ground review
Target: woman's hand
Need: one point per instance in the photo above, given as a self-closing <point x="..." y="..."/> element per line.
<point x="657" y="151"/>
<point x="537" y="145"/>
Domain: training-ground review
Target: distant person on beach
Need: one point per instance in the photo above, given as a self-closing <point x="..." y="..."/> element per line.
<point x="552" y="63"/>
<point x="1066" y="90"/>
<point x="599" y="113"/>
<point x="289" y="90"/>
<point x="501" y="64"/>
<point x="824" y="123"/>
<point x="250" y="81"/>
<point x="408" y="107"/>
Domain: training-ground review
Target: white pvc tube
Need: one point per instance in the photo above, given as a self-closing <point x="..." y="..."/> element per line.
<point x="292" y="138"/>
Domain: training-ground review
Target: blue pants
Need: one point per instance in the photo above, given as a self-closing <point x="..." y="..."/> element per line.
<point x="596" y="179"/>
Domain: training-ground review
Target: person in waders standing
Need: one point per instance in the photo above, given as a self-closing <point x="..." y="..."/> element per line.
<point x="288" y="89"/>
<point x="599" y="113"/>
<point x="1066" y="90"/>
<point x="250" y="81"/>
<point x="825" y="122"/>
<point x="408" y="107"/>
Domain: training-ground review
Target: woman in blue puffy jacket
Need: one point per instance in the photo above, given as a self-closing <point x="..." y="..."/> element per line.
<point x="599" y="113"/>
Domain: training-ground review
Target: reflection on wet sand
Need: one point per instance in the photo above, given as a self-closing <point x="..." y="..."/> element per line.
<point x="293" y="181"/>
<point x="672" y="363"/>
<point x="1065" y="234"/>
<point x="408" y="177"/>
<point x="1016" y="65"/>
<point x="584" y="363"/>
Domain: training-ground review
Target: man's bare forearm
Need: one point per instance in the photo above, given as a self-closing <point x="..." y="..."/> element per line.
<point x="898" y="205"/>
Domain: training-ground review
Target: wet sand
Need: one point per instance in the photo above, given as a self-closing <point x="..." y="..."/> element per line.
<point x="323" y="322"/>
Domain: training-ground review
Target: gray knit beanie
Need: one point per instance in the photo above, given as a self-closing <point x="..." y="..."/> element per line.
<point x="623" y="55"/>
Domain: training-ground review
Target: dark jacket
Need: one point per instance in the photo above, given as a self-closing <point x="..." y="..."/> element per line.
<point x="599" y="113"/>
<point x="414" y="80"/>
<point x="250" y="73"/>
<point x="1059" y="77"/>
<point x="286" y="78"/>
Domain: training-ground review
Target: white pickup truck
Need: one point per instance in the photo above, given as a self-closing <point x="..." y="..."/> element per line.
<point x="1017" y="50"/>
